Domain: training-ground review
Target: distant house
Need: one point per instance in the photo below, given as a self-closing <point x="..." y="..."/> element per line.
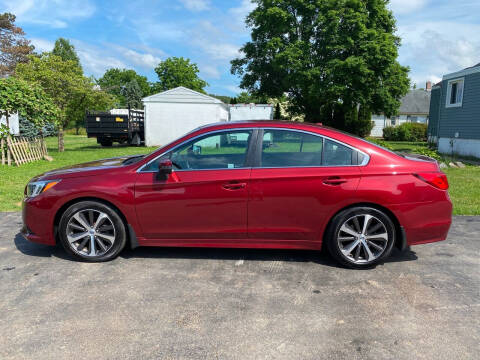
<point x="415" y="107"/>
<point x="455" y="113"/>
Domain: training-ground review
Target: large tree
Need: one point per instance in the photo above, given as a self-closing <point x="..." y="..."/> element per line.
<point x="88" y="97"/>
<point x="114" y="81"/>
<point x="177" y="71"/>
<point x="14" y="48"/>
<point x="335" y="59"/>
<point x="133" y="95"/>
<point x="64" y="49"/>
<point x="62" y="81"/>
<point x="26" y="99"/>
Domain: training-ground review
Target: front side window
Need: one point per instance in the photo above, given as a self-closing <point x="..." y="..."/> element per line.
<point x="225" y="150"/>
<point x="283" y="148"/>
<point x="455" y="93"/>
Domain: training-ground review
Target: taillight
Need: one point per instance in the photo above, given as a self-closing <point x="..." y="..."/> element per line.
<point x="436" y="179"/>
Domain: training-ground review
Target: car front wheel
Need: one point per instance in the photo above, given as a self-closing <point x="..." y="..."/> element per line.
<point x="92" y="231"/>
<point x="361" y="237"/>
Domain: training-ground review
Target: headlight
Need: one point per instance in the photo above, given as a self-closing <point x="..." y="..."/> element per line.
<point x="35" y="188"/>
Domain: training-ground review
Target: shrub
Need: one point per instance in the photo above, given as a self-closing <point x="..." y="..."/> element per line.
<point x="389" y="133"/>
<point x="381" y="143"/>
<point x="427" y="152"/>
<point x="28" y="129"/>
<point x="406" y="132"/>
<point x="74" y="131"/>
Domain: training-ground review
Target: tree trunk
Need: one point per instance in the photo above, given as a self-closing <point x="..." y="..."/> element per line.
<point x="61" y="144"/>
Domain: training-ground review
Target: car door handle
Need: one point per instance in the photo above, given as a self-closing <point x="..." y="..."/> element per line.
<point x="234" y="186"/>
<point x="334" y="181"/>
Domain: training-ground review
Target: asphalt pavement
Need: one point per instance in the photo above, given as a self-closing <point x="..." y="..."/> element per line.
<point x="174" y="303"/>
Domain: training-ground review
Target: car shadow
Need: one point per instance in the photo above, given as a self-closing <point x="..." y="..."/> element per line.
<point x="38" y="250"/>
<point x="301" y="256"/>
<point x="98" y="146"/>
<point x="318" y="257"/>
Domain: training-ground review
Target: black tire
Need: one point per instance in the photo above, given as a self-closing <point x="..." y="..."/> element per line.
<point x="118" y="233"/>
<point x="346" y="217"/>
<point x="106" y="143"/>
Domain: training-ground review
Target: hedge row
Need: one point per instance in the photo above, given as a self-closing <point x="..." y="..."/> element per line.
<point x="406" y="132"/>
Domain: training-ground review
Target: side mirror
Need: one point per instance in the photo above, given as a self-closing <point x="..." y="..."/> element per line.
<point x="165" y="167"/>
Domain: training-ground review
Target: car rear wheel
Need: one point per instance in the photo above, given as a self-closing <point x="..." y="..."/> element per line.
<point x="92" y="231"/>
<point x="361" y="237"/>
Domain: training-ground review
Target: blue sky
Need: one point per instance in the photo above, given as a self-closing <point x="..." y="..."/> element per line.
<point x="439" y="36"/>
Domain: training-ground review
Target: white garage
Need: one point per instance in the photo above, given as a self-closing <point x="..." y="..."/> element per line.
<point x="172" y="113"/>
<point x="239" y="112"/>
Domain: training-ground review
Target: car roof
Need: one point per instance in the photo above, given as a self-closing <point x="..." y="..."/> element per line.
<point x="259" y="124"/>
<point x="295" y="125"/>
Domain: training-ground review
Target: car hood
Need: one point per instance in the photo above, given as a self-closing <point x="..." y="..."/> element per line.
<point x="89" y="168"/>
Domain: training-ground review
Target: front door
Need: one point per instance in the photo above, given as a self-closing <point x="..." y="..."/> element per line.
<point x="205" y="198"/>
<point x="298" y="180"/>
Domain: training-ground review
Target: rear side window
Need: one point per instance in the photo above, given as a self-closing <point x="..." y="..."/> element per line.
<point x="286" y="148"/>
<point x="336" y="154"/>
<point x="283" y="148"/>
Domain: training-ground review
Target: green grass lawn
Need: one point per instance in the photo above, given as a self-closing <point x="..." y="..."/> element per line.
<point x="406" y="146"/>
<point x="464" y="183"/>
<point x="77" y="149"/>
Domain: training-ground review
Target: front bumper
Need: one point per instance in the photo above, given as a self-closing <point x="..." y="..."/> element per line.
<point x="37" y="222"/>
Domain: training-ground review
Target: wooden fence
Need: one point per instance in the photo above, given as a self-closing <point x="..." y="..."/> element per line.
<point x="22" y="150"/>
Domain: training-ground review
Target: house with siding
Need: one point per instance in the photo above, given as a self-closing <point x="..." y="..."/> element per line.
<point x="455" y="113"/>
<point x="415" y="107"/>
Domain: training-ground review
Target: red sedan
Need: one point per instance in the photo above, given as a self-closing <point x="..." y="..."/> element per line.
<point x="248" y="185"/>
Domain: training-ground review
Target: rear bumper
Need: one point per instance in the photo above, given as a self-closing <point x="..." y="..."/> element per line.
<point x="424" y="222"/>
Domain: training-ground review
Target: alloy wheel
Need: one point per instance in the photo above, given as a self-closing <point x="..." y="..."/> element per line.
<point x="362" y="238"/>
<point x="90" y="232"/>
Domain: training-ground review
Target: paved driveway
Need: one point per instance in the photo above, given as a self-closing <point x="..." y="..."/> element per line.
<point x="239" y="304"/>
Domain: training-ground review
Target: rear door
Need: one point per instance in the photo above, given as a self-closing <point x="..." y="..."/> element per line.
<point x="298" y="179"/>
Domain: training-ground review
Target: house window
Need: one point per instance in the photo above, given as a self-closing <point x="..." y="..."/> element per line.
<point x="455" y="93"/>
<point x="393" y="120"/>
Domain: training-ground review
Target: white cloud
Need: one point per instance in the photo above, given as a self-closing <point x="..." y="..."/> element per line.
<point x="220" y="51"/>
<point x="246" y="6"/>
<point x="210" y="71"/>
<point x="94" y="64"/>
<point x="234" y="89"/>
<point x="55" y="14"/>
<point x="149" y="29"/>
<point x="42" y="45"/>
<point x="214" y="42"/>
<point x="433" y="49"/>
<point x="238" y="14"/>
<point x="402" y="7"/>
<point x="96" y="59"/>
<point x="117" y="56"/>
<point x="196" y="5"/>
